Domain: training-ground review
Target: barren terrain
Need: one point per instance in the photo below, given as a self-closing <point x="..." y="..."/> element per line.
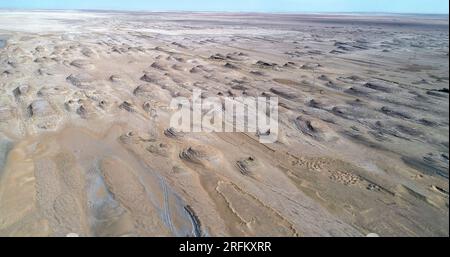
<point x="86" y="146"/>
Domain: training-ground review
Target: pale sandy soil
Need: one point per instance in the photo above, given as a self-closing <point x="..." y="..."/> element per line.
<point x="86" y="146"/>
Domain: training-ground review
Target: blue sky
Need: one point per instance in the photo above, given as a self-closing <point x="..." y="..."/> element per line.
<point x="393" y="6"/>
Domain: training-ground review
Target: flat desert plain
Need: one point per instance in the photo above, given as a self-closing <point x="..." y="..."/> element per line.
<point x="86" y="145"/>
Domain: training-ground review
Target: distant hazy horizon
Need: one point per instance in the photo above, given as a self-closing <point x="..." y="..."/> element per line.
<point x="230" y="12"/>
<point x="280" y="6"/>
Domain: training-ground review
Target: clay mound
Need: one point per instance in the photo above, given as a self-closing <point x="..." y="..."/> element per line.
<point x="316" y="104"/>
<point x="237" y="56"/>
<point x="40" y="108"/>
<point x="196" y="69"/>
<point x="218" y="57"/>
<point x="310" y="66"/>
<point x="428" y="123"/>
<point x="200" y="154"/>
<point x="311" y="128"/>
<point x="160" y="149"/>
<point x="21" y="90"/>
<point x="148" y="78"/>
<point x="82" y="64"/>
<point x="395" y="113"/>
<point x="283" y="92"/>
<point x="437" y="93"/>
<point x="173" y="133"/>
<point x="179" y="45"/>
<point x="115" y="78"/>
<point x="82" y="111"/>
<point x="80" y="80"/>
<point x="152" y="92"/>
<point x="382" y="87"/>
<point x="44" y="59"/>
<point x="88" y="52"/>
<point x="49" y="91"/>
<point x="266" y="65"/>
<point x="247" y="166"/>
<point x="358" y="91"/>
<point x="431" y="164"/>
<point x="45" y="72"/>
<point x="127" y="106"/>
<point x="258" y="73"/>
<point x="324" y="77"/>
<point x="231" y="66"/>
<point x="353" y="112"/>
<point x="178" y="67"/>
<point x="158" y="66"/>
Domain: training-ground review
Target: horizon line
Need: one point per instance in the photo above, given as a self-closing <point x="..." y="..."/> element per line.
<point x="210" y="11"/>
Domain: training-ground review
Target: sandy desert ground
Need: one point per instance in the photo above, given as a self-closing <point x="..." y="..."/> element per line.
<point x="86" y="146"/>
